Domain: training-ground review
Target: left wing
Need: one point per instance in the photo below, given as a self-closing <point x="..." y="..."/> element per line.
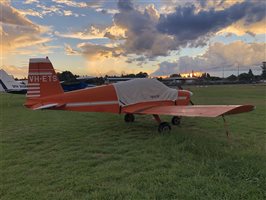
<point x="192" y="111"/>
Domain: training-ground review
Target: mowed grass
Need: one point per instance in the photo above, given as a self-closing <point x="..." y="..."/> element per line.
<point x="69" y="155"/>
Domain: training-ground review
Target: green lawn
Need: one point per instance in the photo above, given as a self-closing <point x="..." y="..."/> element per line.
<point x="70" y="155"/>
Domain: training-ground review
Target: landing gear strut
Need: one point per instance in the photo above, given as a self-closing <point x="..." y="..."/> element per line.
<point x="129" y="118"/>
<point x="163" y="126"/>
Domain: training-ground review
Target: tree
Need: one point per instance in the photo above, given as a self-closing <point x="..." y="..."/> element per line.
<point x="138" y="75"/>
<point x="232" y="78"/>
<point x="263" y="67"/>
<point x="205" y="76"/>
<point x="175" y="75"/>
<point x="142" y="75"/>
<point x="244" y="77"/>
<point x="66" y="76"/>
<point x="251" y="75"/>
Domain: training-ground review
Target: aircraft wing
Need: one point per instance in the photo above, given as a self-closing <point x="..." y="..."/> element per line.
<point x="192" y="111"/>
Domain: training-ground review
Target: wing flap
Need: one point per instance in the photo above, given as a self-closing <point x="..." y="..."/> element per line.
<point x="195" y="111"/>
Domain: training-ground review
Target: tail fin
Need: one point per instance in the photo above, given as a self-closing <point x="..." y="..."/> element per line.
<point x="42" y="79"/>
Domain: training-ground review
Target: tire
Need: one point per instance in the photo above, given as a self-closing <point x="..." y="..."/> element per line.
<point x="164" y="127"/>
<point x="129" y="118"/>
<point x="176" y="120"/>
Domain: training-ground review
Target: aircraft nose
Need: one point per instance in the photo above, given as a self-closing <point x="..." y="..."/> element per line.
<point x="188" y="92"/>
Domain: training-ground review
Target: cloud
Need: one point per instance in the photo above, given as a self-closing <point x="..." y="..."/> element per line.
<point x="112" y="32"/>
<point x="70" y="51"/>
<point x="70" y="13"/>
<point x="145" y="33"/>
<point x="152" y="34"/>
<point x="241" y="28"/>
<point x="43" y="10"/>
<point x="142" y="37"/>
<point x="95" y="51"/>
<point x="17" y="72"/>
<point x="166" y="68"/>
<point x="18" y="31"/>
<point x="80" y="4"/>
<point x="219" y="56"/>
<point x="71" y="3"/>
<point x="36" y="49"/>
<point x="187" y="25"/>
<point x="31" y="12"/>
<point x="107" y="11"/>
<point x="49" y="10"/>
<point x="30" y="1"/>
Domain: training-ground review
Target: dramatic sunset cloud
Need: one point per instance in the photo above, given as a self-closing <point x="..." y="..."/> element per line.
<point x="217" y="56"/>
<point x="123" y="36"/>
<point x="17" y="31"/>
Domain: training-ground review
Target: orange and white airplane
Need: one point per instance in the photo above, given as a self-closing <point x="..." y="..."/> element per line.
<point x="138" y="96"/>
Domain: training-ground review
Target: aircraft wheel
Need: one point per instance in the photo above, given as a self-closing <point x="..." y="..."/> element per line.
<point x="129" y="118"/>
<point x="176" y="120"/>
<point x="164" y="127"/>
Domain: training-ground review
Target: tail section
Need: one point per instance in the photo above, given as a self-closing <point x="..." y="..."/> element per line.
<point x="42" y="79"/>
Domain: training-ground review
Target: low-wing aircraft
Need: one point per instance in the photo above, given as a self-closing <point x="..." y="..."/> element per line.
<point x="10" y="85"/>
<point x="138" y="96"/>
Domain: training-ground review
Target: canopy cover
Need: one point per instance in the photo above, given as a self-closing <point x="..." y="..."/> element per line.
<point x="143" y="90"/>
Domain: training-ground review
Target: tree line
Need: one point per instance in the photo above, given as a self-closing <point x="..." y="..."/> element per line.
<point x="67" y="76"/>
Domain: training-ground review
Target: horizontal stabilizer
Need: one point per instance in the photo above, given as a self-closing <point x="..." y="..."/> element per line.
<point x="46" y="106"/>
<point x="194" y="111"/>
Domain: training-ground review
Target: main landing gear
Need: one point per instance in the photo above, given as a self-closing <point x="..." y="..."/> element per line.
<point x="165" y="126"/>
<point x="129" y="118"/>
<point x="176" y="120"/>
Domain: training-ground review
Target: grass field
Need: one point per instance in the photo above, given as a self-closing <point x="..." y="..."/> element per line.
<point x="69" y="155"/>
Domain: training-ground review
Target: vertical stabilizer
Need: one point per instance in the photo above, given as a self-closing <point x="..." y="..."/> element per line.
<point x="42" y="79"/>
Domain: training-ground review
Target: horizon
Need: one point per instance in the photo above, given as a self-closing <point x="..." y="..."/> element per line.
<point x="98" y="38"/>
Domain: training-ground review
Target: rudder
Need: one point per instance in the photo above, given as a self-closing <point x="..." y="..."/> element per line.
<point x="42" y="79"/>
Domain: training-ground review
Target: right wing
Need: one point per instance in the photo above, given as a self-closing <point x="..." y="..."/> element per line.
<point x="192" y="111"/>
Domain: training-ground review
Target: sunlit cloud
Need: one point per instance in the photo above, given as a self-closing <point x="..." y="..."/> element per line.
<point x="111" y="66"/>
<point x="125" y="35"/>
<point x="97" y="52"/>
<point x="218" y="56"/>
<point x="107" y="11"/>
<point x="241" y="28"/>
<point x="17" y="72"/>
<point x="80" y="4"/>
<point x="17" y="31"/>
<point x="69" y="13"/>
<point x="31" y="12"/>
<point x="30" y="1"/>
<point x="112" y="32"/>
<point x="71" y="3"/>
<point x="70" y="51"/>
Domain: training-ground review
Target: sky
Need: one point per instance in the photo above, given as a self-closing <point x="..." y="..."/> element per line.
<point x="114" y="37"/>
